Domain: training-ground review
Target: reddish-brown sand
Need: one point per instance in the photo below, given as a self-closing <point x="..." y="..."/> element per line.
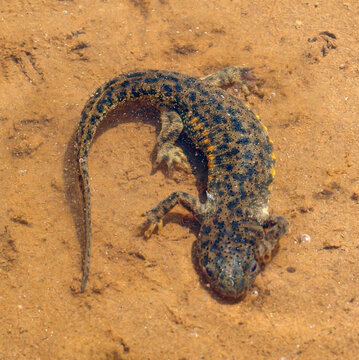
<point x="145" y="299"/>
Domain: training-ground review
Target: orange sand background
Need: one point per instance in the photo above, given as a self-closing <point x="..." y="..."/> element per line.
<point x="144" y="299"/>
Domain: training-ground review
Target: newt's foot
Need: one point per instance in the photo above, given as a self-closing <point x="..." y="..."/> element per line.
<point x="174" y="158"/>
<point x="274" y="228"/>
<point x="243" y="77"/>
<point x="250" y="82"/>
<point x="150" y="225"/>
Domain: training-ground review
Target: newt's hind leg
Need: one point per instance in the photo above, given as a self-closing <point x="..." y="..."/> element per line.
<point x="274" y="228"/>
<point x="242" y="76"/>
<point x="156" y="214"/>
<point x="171" y="128"/>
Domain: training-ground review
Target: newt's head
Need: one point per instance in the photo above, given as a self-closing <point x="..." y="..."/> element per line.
<point x="230" y="259"/>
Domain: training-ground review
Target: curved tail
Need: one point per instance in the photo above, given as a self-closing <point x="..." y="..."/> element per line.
<point x="85" y="188"/>
<point x="159" y="87"/>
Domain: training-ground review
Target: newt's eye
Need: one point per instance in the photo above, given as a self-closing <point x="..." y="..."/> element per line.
<point x="209" y="271"/>
<point x="254" y="266"/>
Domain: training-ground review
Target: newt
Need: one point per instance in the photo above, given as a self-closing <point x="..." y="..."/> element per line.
<point x="237" y="235"/>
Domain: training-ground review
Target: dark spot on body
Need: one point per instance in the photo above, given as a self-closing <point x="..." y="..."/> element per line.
<point x="125" y="83"/>
<point x="248" y="155"/>
<point x="216" y="244"/>
<point x="136" y="92"/>
<point x="235" y="225"/>
<point x="194" y="109"/>
<point x="220" y="225"/>
<point x="239" y="239"/>
<point x="243" y="141"/>
<point x="99" y="106"/>
<point x="233" y="112"/>
<point x="268" y="148"/>
<point x="121" y="96"/>
<point x="204" y="93"/>
<point x="206" y="229"/>
<point x="219" y="119"/>
<point x="192" y="96"/>
<point x="212" y="101"/>
<point x="205" y="260"/>
<point x="222" y="147"/>
<point x="204" y="244"/>
<point x="167" y="89"/>
<point x="226" y="138"/>
<point x="239" y="177"/>
<point x="238" y="125"/>
<point x="232" y="204"/>
<point x="94" y="119"/>
<point x="189" y="81"/>
<point x="151" y="80"/>
<point x="239" y="212"/>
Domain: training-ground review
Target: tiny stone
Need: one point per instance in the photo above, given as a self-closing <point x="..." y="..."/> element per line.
<point x="303" y="238"/>
<point x="291" y="269"/>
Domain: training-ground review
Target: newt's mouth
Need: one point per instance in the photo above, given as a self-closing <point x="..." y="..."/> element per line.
<point x="227" y="292"/>
<point x="229" y="287"/>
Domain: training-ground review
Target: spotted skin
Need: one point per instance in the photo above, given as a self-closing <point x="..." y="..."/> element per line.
<point x="237" y="234"/>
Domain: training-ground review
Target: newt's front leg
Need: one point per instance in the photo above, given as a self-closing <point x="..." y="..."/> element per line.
<point x="241" y="76"/>
<point x="274" y="228"/>
<point x="171" y="128"/>
<point x="156" y="214"/>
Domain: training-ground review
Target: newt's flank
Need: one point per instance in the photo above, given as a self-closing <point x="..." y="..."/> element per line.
<point x="237" y="234"/>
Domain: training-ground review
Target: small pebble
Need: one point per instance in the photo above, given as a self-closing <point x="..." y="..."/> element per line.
<point x="291" y="269"/>
<point x="303" y="238"/>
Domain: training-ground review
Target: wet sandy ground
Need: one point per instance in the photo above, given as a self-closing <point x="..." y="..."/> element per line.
<point x="144" y="298"/>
